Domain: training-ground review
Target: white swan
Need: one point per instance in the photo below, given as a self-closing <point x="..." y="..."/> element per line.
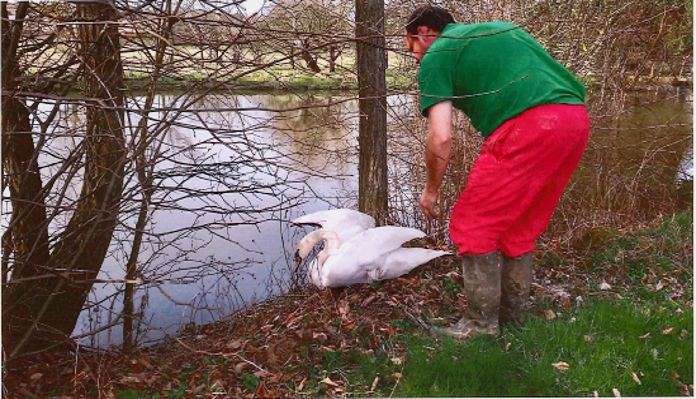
<point x="375" y="254"/>
<point x="346" y="223"/>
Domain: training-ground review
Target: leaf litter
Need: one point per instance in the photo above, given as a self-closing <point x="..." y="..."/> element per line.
<point x="279" y="347"/>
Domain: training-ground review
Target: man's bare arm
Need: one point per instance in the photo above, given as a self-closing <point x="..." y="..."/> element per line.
<point x="437" y="152"/>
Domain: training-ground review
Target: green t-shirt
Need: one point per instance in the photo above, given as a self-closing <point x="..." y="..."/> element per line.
<point x="493" y="71"/>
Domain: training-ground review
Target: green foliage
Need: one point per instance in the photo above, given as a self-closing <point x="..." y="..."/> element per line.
<point x="216" y="361"/>
<point x="452" y="288"/>
<point x="178" y="393"/>
<point x="250" y="381"/>
<point x="604" y="344"/>
<point x="135" y="394"/>
<point x="186" y="370"/>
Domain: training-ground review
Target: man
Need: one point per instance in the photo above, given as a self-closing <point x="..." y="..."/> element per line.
<point x="530" y="111"/>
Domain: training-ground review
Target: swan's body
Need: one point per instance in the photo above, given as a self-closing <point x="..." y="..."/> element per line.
<point x="375" y="254"/>
<point x="346" y="223"/>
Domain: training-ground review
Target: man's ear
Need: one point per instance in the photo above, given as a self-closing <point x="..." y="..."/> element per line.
<point x="425" y="31"/>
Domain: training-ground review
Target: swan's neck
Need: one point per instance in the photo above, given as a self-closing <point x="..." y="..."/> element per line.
<point x="328" y="236"/>
<point x="313" y="238"/>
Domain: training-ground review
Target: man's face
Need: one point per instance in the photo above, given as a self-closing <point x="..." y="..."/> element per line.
<point x="415" y="46"/>
<point x="419" y="43"/>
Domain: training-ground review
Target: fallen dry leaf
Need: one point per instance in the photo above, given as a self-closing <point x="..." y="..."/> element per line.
<point x="595" y="394"/>
<point x="320" y="336"/>
<point x="683" y="334"/>
<point x="616" y="392"/>
<point x="130" y="379"/>
<point x="635" y="378"/>
<point x="683" y="389"/>
<point x="547" y="314"/>
<point x="589" y="339"/>
<point x="644" y="336"/>
<point x="561" y="366"/>
<point x="145" y="361"/>
<point x="667" y="330"/>
<point x="374" y="383"/>
<point x="507" y="346"/>
<point x="268" y="327"/>
<point x="263" y="393"/>
<point x="603" y="286"/>
<point x="565" y="302"/>
<point x="343" y="308"/>
<point x="329" y="382"/>
<point x="239" y="367"/>
<point x="369" y="300"/>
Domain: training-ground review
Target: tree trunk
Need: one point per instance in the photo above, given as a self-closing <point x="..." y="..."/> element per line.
<point x="332" y="59"/>
<point x="371" y="60"/>
<point x="43" y="312"/>
<point x="27" y="236"/>
<point x="307" y="57"/>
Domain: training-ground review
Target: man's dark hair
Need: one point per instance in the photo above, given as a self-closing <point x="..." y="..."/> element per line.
<point x="434" y="17"/>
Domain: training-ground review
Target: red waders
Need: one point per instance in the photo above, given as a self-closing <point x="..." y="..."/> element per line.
<point x="510" y="195"/>
<point x="517" y="180"/>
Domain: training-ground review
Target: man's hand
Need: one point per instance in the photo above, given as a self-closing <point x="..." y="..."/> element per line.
<point x="428" y="201"/>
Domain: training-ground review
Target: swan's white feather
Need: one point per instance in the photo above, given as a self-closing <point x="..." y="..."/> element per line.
<point x="374" y="254"/>
<point x="347" y="223"/>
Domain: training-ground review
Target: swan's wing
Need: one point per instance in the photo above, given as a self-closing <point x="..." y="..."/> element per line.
<point x="347" y="223"/>
<point x="403" y="260"/>
<point x="380" y="241"/>
<point x="336" y="218"/>
<point x="356" y="260"/>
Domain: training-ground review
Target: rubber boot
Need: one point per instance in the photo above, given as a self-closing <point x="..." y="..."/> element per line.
<point x="516" y="281"/>
<point x="482" y="286"/>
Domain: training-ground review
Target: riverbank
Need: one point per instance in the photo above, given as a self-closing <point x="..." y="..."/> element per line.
<point x="359" y="341"/>
<point x="278" y="83"/>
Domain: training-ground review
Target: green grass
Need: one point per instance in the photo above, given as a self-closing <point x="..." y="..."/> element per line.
<point x="608" y="344"/>
<point x="638" y="342"/>
<point x="659" y="254"/>
<point x="483" y="367"/>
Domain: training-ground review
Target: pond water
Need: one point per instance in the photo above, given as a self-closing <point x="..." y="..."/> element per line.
<point x="204" y="259"/>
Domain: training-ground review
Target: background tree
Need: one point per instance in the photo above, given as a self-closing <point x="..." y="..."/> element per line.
<point x="42" y="304"/>
<point x="87" y="162"/>
<point x="313" y="30"/>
